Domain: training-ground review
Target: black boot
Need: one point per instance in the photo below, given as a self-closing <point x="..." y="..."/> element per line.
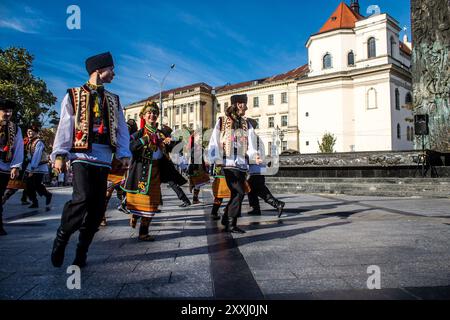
<point x="35" y="204"/>
<point x="186" y="202"/>
<point x="225" y="222"/>
<point x="277" y="204"/>
<point x="48" y="198"/>
<point x="235" y="228"/>
<point x="2" y="231"/>
<point x="59" y="247"/>
<point x="84" y="241"/>
<point x="256" y="211"/>
<point x="215" y="211"/>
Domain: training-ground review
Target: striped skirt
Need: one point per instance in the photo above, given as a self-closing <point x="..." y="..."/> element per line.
<point x="146" y="205"/>
<point x="220" y="188"/>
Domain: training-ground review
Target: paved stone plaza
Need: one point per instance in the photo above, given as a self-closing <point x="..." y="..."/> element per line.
<point x="320" y="248"/>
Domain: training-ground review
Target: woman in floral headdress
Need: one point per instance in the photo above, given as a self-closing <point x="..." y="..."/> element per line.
<point x="143" y="184"/>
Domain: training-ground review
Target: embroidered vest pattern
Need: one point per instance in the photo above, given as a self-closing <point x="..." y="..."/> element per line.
<point x="81" y="98"/>
<point x="7" y="149"/>
<point x="226" y="136"/>
<point x="31" y="149"/>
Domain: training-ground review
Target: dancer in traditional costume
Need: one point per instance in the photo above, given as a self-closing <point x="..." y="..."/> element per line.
<point x="91" y="129"/>
<point x="197" y="172"/>
<point x="233" y="145"/>
<point x="257" y="183"/>
<point x="169" y="174"/>
<point x="143" y="183"/>
<point x="18" y="183"/>
<point x="11" y="150"/>
<point x="37" y="167"/>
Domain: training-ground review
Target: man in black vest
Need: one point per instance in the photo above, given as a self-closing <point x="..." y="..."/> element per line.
<point x="91" y="129"/>
<point x="37" y="167"/>
<point x="11" y="150"/>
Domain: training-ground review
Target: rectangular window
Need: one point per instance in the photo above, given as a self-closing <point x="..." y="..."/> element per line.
<point x="257" y="124"/>
<point x="269" y="151"/>
<point x="191" y="108"/>
<point x="283" y="145"/>
<point x="184" y="109"/>
<point x="270" y="100"/>
<point x="177" y="127"/>
<point x="165" y="112"/>
<point x="284" y="97"/>
<point x="191" y="126"/>
<point x="307" y="143"/>
<point x="271" y="122"/>
<point x="177" y="110"/>
<point x="128" y="116"/>
<point x="255" y="102"/>
<point x="225" y="106"/>
<point x="284" y="121"/>
<point x="135" y="116"/>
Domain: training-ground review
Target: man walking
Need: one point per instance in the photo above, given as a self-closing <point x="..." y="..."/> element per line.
<point x="91" y="129"/>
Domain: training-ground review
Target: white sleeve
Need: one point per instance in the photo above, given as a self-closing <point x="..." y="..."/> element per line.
<point x="214" y="150"/>
<point x="64" y="134"/>
<point x="123" y="137"/>
<point x="37" y="155"/>
<point x="252" y="148"/>
<point x="16" y="161"/>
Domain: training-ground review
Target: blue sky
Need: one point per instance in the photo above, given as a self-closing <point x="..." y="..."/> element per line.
<point x="209" y="41"/>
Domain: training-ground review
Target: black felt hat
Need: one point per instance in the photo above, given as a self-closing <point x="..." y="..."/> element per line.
<point x="7" y="104"/>
<point x="99" y="61"/>
<point x="239" y="98"/>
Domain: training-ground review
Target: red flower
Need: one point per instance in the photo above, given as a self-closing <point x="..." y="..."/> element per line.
<point x="6" y="149"/>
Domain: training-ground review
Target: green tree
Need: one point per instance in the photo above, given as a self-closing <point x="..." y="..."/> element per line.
<point x="48" y="136"/>
<point x="328" y="142"/>
<point x="18" y="83"/>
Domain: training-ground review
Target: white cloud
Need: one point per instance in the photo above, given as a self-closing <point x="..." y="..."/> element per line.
<point x="22" y="26"/>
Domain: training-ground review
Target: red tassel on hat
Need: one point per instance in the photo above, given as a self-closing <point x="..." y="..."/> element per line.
<point x="6" y="149"/>
<point x="142" y="125"/>
<point x="79" y="135"/>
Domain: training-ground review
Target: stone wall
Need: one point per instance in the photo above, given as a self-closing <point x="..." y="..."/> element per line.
<point x="431" y="68"/>
<point x="365" y="164"/>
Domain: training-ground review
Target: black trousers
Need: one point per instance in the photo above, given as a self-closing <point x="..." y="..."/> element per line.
<point x="180" y="193"/>
<point x="86" y="209"/>
<point x="235" y="181"/>
<point x="258" y="189"/>
<point x="4" y="179"/>
<point x="34" y="184"/>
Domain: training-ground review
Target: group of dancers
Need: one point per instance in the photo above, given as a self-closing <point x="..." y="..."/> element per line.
<point x="101" y="146"/>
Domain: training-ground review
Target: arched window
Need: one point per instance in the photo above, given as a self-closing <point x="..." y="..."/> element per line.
<point x="371" y="98"/>
<point x="399" y="133"/>
<point x="327" y="61"/>
<point x="397" y="99"/>
<point x="392" y="46"/>
<point x="351" y="58"/>
<point x="371" y="48"/>
<point x="408" y="98"/>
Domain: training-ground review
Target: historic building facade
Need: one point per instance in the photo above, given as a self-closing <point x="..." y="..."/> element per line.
<point x="185" y="107"/>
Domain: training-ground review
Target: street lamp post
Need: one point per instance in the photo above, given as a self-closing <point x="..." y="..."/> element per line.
<point x="161" y="85"/>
